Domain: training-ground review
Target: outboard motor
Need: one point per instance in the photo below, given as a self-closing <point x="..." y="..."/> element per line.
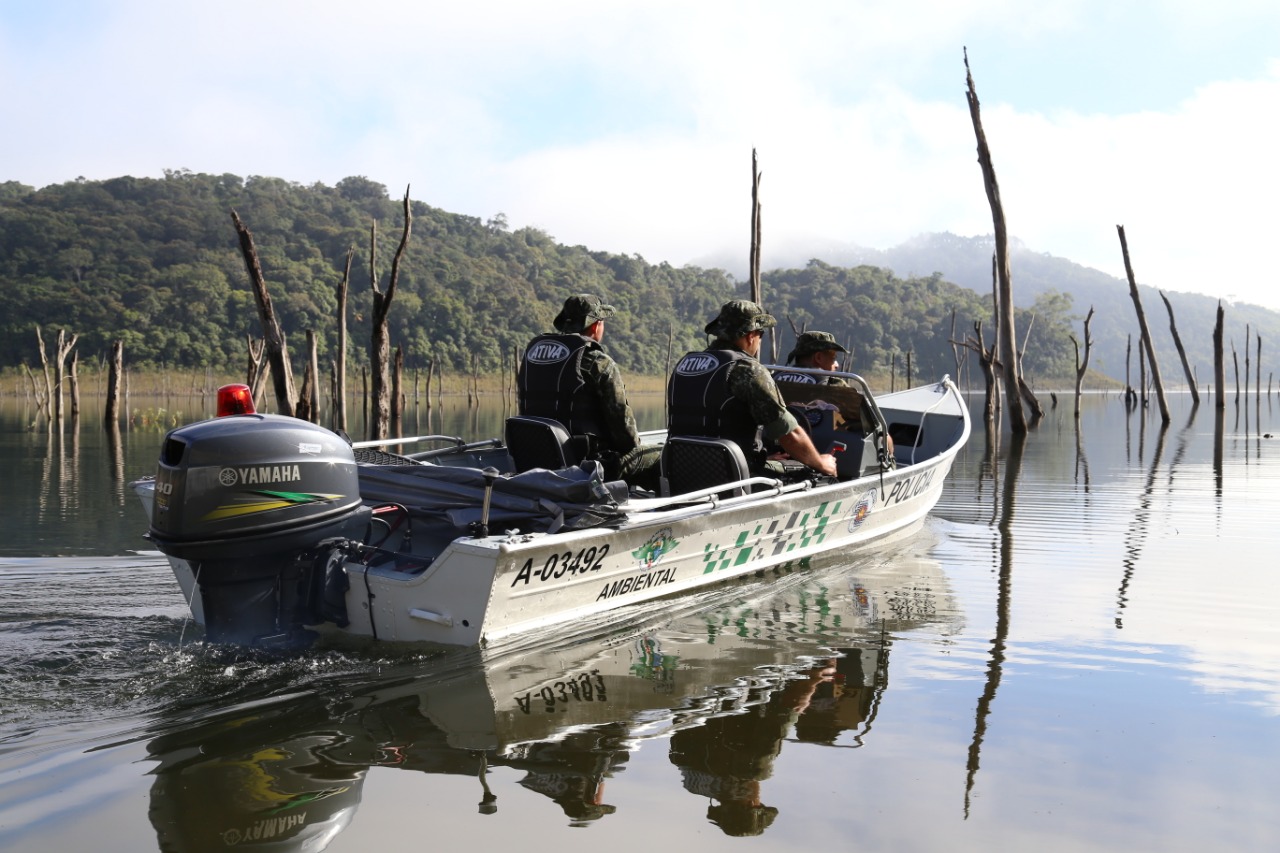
<point x="262" y="507"/>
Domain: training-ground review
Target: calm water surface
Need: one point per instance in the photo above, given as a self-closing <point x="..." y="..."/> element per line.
<point x="1080" y="652"/>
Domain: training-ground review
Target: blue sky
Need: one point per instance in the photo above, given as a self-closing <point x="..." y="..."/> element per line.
<point x="628" y="127"/>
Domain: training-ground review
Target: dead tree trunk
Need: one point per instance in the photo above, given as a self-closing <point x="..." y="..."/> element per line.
<point x="1142" y="377"/>
<point x="1147" y="343"/>
<point x="48" y="381"/>
<point x="1219" y="364"/>
<point x="986" y="360"/>
<point x="63" y="349"/>
<point x="1257" y="385"/>
<point x="397" y="392"/>
<point x="1182" y="352"/>
<point x="272" y="335"/>
<point x="340" y="362"/>
<point x="308" y="407"/>
<point x="1247" y="365"/>
<point x="74" y="384"/>
<point x="1235" y="370"/>
<point x="1082" y="367"/>
<point x="40" y="399"/>
<point x="431" y="366"/>
<point x="757" y="290"/>
<point x="955" y="348"/>
<point x="253" y="372"/>
<point x="1004" y="319"/>
<point x="364" y="395"/>
<point x="334" y="396"/>
<point x="1130" y="398"/>
<point x="111" y="414"/>
<point x="380" y="351"/>
<point x="1024" y="390"/>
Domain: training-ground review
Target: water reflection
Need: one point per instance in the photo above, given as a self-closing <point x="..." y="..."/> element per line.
<point x="1138" y="529"/>
<point x="806" y="656"/>
<point x="1004" y="591"/>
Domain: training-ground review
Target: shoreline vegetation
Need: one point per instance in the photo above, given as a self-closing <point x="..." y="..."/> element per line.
<point x="154" y="383"/>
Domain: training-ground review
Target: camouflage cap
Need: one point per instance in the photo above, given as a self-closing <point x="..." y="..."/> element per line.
<point x="810" y="342"/>
<point x="580" y="311"/>
<point x="737" y="318"/>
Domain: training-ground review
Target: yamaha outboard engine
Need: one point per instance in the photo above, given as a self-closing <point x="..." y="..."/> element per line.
<point x="262" y="507"/>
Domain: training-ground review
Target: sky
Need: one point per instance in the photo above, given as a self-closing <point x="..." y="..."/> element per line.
<point x="629" y="127"/>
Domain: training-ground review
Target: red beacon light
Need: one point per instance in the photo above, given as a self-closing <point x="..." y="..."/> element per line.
<point x="234" y="400"/>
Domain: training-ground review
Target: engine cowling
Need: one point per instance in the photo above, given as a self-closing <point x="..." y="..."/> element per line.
<point x="255" y="503"/>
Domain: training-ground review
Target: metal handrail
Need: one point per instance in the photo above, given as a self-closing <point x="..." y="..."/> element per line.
<point x="708" y="495"/>
<point x="387" y="442"/>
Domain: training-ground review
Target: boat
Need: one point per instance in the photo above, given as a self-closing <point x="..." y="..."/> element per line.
<point x="280" y="531"/>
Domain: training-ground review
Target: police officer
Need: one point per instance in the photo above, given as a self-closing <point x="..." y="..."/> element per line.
<point x="724" y="392"/>
<point x="566" y="375"/>
<point x="817" y="350"/>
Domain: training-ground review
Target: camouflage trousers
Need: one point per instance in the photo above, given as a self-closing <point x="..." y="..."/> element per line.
<point x="641" y="467"/>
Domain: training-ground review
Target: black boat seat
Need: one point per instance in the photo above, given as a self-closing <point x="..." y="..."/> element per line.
<point x="691" y="462"/>
<point x="535" y="442"/>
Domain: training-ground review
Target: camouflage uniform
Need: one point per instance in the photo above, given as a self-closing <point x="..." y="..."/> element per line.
<point x="746" y="381"/>
<point x="625" y="457"/>
<point x="751" y="383"/>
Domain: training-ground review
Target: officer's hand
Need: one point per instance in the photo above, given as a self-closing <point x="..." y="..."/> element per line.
<point x="828" y="464"/>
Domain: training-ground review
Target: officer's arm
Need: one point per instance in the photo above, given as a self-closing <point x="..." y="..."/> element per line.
<point x="606" y="380"/>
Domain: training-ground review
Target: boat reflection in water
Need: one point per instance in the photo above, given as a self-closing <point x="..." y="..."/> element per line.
<point x="723" y="683"/>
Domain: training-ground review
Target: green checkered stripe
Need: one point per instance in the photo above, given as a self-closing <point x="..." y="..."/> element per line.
<point x="799" y="530"/>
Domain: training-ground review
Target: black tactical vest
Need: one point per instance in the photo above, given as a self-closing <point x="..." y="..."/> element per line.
<point x="699" y="402"/>
<point x="551" y="385"/>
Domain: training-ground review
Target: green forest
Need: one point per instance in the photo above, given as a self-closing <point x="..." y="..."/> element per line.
<point x="155" y="263"/>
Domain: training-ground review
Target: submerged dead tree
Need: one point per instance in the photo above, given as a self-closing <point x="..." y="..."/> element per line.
<point x="340" y="361"/>
<point x="272" y="335"/>
<point x="257" y="370"/>
<point x="1219" y="364"/>
<point x="1147" y="344"/>
<point x="65" y="346"/>
<point x="380" y="348"/>
<point x="1082" y="366"/>
<point x="1182" y="352"/>
<point x="987" y="362"/>
<point x="111" y="413"/>
<point x="1005" y="332"/>
<point x="757" y="293"/>
<point x="1028" y="396"/>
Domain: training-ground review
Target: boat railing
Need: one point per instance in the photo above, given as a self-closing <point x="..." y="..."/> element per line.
<point x="457" y="444"/>
<point x="457" y="440"/>
<point x="767" y="487"/>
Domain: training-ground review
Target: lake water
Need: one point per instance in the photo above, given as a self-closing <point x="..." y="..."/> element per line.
<point x="1081" y="651"/>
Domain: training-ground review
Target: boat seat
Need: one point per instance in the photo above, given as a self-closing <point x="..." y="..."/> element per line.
<point x="535" y="442"/>
<point x="691" y="462"/>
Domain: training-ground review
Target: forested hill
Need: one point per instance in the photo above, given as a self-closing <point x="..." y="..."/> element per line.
<point x="1044" y="280"/>
<point x="156" y="263"/>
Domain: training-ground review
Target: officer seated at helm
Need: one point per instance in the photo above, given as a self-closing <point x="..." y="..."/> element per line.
<point x="815" y="350"/>
<point x="566" y="375"/>
<point x="724" y="392"/>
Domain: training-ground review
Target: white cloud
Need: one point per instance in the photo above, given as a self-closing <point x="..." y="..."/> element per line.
<point x="630" y="127"/>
